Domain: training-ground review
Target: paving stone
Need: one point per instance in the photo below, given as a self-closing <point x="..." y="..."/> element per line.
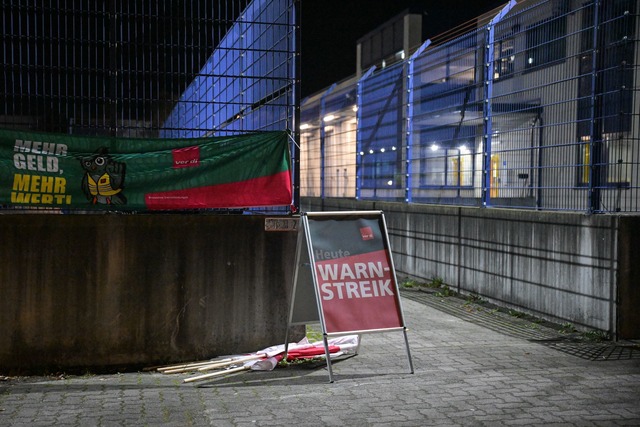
<point x="470" y="370"/>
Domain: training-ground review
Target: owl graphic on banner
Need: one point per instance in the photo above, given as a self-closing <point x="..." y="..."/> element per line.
<point x="103" y="180"/>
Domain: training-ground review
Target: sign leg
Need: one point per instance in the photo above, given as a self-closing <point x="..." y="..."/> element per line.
<point x="406" y="343"/>
<point x="326" y="351"/>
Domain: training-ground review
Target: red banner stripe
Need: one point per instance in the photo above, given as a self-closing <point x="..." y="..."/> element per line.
<point x="272" y="190"/>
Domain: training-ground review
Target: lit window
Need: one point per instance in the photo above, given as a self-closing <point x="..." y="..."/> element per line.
<point x="504" y="58"/>
<point x="546" y="42"/>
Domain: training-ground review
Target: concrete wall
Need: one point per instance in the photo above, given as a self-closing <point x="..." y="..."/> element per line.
<point x="130" y="290"/>
<point x="563" y="267"/>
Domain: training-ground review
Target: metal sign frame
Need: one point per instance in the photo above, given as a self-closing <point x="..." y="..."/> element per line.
<point x="306" y="300"/>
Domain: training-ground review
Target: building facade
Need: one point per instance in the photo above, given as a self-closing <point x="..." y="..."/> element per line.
<point x="490" y="150"/>
<point x="535" y="107"/>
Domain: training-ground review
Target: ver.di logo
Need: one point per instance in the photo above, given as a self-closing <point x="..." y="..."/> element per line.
<point x="103" y="180"/>
<point x="366" y="233"/>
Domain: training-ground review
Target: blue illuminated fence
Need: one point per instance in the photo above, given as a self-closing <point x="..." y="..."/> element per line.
<point x="168" y="68"/>
<point x="247" y="84"/>
<point x="535" y="107"/>
<point x="380" y="125"/>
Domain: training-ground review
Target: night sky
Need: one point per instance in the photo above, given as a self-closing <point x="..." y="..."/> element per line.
<point x="330" y="30"/>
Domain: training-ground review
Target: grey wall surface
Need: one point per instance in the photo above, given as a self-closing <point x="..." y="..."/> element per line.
<point x="563" y="267"/>
<point x="128" y="290"/>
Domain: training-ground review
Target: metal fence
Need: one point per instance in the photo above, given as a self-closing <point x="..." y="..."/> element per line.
<point x="536" y="107"/>
<point x="148" y="68"/>
<point x="167" y="69"/>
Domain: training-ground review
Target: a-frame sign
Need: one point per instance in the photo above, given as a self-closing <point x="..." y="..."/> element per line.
<point x="344" y="277"/>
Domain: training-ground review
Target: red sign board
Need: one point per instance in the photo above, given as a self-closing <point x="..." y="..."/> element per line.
<point x="353" y="272"/>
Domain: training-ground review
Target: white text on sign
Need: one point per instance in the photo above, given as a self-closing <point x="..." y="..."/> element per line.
<point x="360" y="280"/>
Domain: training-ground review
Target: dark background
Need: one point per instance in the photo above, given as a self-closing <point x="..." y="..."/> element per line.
<point x="330" y="30"/>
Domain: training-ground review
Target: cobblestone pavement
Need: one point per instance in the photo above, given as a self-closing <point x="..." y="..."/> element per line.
<point x="474" y="366"/>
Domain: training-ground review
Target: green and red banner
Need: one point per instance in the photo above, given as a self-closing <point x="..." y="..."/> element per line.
<point x="63" y="171"/>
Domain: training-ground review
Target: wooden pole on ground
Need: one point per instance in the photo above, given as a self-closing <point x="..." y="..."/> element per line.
<point x="217" y="374"/>
<point x="193" y="366"/>
<point x="231" y="362"/>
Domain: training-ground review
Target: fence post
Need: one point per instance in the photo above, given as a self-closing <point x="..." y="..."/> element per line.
<point x="359" y="153"/>
<point x="322" y="137"/>
<point x="595" y="131"/>
<point x="488" y="95"/>
<point x="296" y="105"/>
<point x="112" y="97"/>
<point x="410" y="112"/>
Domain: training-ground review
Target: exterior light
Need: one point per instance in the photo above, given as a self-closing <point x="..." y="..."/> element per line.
<point x="304" y="126"/>
<point x="328" y="118"/>
<point x="370" y="151"/>
<point x="390" y="182"/>
<point x="354" y="108"/>
<point x="382" y="150"/>
<point x="434" y="147"/>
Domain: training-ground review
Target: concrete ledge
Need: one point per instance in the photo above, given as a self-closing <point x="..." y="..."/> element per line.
<point x="559" y="266"/>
